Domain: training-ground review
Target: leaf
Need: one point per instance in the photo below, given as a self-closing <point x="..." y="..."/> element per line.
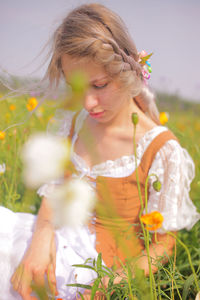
<point x="145" y="58"/>
<point x="81" y="295"/>
<point x="87" y="261"/>
<point x="109" y="271"/>
<point x="95" y="287"/>
<point x="186" y="287"/>
<point x="99" y="262"/>
<point x="94" y="262"/>
<point x="84" y="286"/>
<point x="84" y="266"/>
<point x="110" y="285"/>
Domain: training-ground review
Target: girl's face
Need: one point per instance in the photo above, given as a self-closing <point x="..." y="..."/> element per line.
<point x="104" y="97"/>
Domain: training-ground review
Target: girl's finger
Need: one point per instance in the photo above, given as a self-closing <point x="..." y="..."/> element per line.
<point x="17" y="277"/>
<point x="25" y="290"/>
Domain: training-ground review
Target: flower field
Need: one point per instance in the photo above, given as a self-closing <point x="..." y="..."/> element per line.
<point x="18" y="121"/>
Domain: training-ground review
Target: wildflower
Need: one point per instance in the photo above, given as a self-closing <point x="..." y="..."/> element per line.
<point x="2" y="135"/>
<point x="135" y="118"/>
<point x="12" y="107"/>
<point x="154" y="220"/>
<point x="32" y="103"/>
<point x="164" y="117"/>
<point x="2" y="169"/>
<point x="72" y="203"/>
<point x="157" y="185"/>
<point x="45" y="158"/>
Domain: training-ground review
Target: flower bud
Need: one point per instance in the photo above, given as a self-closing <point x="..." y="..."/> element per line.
<point x="135" y="118"/>
<point x="157" y="185"/>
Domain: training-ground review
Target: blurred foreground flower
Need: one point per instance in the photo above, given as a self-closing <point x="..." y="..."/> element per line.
<point x="2" y="169"/>
<point x="40" y="111"/>
<point x="164" y="117"/>
<point x="32" y="103"/>
<point x="2" y="135"/>
<point x="45" y="158"/>
<point x="154" y="220"/>
<point x="72" y="203"/>
<point x="12" y="107"/>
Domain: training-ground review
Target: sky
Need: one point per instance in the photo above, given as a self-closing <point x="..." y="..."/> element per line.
<point x="168" y="28"/>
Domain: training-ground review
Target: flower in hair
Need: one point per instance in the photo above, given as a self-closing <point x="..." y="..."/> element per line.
<point x="146" y="66"/>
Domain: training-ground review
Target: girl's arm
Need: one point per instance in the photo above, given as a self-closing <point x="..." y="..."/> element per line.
<point x="40" y="257"/>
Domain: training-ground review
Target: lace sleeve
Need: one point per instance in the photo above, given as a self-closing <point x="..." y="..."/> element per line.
<point x="175" y="169"/>
<point x="60" y="125"/>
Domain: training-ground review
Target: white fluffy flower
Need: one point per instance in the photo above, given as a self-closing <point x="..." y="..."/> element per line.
<point x="2" y="169"/>
<point x="72" y="203"/>
<point x="45" y="158"/>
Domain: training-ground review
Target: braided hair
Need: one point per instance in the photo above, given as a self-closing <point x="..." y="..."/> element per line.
<point x="94" y="31"/>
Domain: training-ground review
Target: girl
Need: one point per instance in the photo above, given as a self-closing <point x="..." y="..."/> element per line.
<point x="93" y="40"/>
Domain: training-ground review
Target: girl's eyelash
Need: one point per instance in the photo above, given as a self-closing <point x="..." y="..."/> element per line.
<point x="100" y="86"/>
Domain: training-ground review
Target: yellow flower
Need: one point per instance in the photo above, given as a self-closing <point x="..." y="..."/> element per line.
<point x="12" y="107"/>
<point x="32" y="103"/>
<point x="154" y="220"/>
<point x="164" y="117"/>
<point x="2" y="135"/>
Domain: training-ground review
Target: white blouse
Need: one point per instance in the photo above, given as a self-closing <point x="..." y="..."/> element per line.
<point x="172" y="164"/>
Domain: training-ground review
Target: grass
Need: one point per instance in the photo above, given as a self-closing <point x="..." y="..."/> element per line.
<point x="173" y="281"/>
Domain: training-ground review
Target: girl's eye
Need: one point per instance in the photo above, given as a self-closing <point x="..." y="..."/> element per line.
<point x="100" y="86"/>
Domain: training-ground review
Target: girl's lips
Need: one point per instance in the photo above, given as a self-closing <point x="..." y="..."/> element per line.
<point x="96" y="115"/>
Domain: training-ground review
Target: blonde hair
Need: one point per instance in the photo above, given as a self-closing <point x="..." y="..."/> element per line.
<point x="94" y="31"/>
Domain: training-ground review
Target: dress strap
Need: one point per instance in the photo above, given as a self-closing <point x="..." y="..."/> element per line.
<point x="70" y="167"/>
<point x="154" y="147"/>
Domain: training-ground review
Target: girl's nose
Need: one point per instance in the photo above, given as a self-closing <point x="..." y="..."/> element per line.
<point x="90" y="101"/>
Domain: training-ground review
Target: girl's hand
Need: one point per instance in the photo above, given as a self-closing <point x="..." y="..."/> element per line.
<point x="98" y="296"/>
<point x="105" y="280"/>
<point x="40" y="259"/>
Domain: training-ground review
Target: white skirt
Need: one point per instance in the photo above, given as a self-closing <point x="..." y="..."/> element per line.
<point x="73" y="247"/>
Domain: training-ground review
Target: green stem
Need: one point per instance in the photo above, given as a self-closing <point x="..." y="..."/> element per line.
<point x="129" y="285"/>
<point x="146" y="233"/>
<point x="138" y="183"/>
<point x="189" y="258"/>
<point x="174" y="282"/>
<point x="136" y="171"/>
<point x="159" y="289"/>
<point x="149" y="263"/>
<point x="5" y="183"/>
<point x="151" y="276"/>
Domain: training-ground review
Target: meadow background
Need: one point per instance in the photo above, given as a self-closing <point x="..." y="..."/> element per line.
<point x="183" y="120"/>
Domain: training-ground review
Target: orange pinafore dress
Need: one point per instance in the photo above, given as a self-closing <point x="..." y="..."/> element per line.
<point x="117" y="224"/>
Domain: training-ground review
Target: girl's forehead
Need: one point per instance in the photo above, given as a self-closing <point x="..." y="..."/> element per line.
<point x="85" y="65"/>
